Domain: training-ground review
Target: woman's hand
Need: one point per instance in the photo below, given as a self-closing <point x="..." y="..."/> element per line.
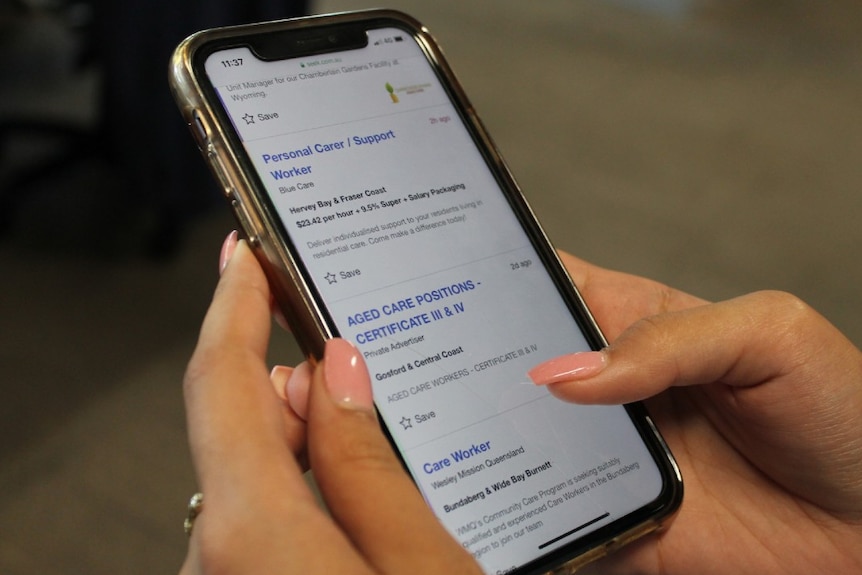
<point x="259" y="515"/>
<point x="760" y="399"/>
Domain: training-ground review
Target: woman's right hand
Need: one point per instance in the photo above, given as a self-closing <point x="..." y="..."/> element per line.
<point x="760" y="399"/>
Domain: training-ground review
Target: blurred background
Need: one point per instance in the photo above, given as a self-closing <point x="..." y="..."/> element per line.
<point x="712" y="145"/>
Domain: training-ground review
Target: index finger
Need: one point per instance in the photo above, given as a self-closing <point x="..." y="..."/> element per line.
<point x="236" y="422"/>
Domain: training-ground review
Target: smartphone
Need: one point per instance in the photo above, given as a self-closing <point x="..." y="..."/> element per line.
<point x="383" y="213"/>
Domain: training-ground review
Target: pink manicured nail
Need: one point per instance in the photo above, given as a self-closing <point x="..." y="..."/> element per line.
<point x="296" y="389"/>
<point x="227" y="250"/>
<point x="346" y="375"/>
<point x="572" y="367"/>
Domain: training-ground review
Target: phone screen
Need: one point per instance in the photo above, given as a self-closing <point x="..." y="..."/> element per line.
<point x="421" y="261"/>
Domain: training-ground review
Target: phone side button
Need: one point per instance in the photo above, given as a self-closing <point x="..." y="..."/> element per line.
<point x="220" y="171"/>
<point x="199" y="131"/>
<point x="244" y="220"/>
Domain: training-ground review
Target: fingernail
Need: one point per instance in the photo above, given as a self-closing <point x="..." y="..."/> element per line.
<point x="296" y="389"/>
<point x="346" y="375"/>
<point x="572" y="367"/>
<point x="278" y="377"/>
<point x="227" y="250"/>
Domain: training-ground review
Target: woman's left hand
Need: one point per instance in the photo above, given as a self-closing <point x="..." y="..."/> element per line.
<point x="259" y="515"/>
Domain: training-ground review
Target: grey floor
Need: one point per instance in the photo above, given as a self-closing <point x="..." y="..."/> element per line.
<point x="712" y="145"/>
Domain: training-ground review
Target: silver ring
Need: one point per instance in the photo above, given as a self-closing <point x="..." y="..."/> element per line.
<point x="196" y="504"/>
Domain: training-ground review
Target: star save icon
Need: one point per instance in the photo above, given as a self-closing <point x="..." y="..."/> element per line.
<point x="331" y="278"/>
<point x="249" y="119"/>
<point x="406" y="423"/>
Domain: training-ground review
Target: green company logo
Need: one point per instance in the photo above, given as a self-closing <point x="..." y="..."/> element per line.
<point x="392" y="94"/>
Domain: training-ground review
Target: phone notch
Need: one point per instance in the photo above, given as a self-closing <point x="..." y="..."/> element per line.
<point x="284" y="44"/>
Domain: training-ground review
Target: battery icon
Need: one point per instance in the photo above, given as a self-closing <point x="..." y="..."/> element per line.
<point x="399" y="38"/>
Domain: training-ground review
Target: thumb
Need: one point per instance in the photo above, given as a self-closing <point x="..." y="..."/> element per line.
<point x="363" y="482"/>
<point x="741" y="343"/>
